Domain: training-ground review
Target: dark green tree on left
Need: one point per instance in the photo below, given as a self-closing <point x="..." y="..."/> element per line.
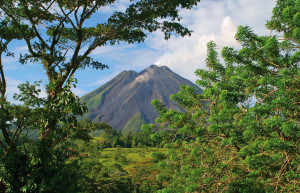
<point x="11" y="159"/>
<point x="59" y="38"/>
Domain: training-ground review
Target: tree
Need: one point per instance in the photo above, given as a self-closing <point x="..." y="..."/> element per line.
<point x="65" y="25"/>
<point x="242" y="133"/>
<point x="58" y="37"/>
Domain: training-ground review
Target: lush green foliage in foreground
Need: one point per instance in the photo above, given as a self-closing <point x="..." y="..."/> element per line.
<point x="118" y="169"/>
<point x="58" y="37"/>
<point x="242" y="133"/>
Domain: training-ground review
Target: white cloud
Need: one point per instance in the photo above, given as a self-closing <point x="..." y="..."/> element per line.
<point x="185" y="55"/>
<point x="211" y="20"/>
<point x="119" y="5"/>
<point x="110" y="49"/>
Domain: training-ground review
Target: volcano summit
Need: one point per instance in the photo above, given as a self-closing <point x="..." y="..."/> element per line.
<point x="125" y="101"/>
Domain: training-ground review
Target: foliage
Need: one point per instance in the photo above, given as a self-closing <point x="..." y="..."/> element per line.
<point x="26" y="161"/>
<point x="242" y="133"/>
<point x="107" y="172"/>
<point x="134" y="124"/>
<point x="58" y="37"/>
<point x="108" y="137"/>
<point x="144" y="175"/>
<point x="67" y="33"/>
<point x="158" y="156"/>
<point x="97" y="178"/>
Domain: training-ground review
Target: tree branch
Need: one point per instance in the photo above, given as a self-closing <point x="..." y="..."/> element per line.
<point x="67" y="16"/>
<point x="43" y="43"/>
<point x="3" y="146"/>
<point x="2" y="80"/>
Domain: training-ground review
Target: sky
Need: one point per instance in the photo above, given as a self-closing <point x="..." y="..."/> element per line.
<point x="215" y="20"/>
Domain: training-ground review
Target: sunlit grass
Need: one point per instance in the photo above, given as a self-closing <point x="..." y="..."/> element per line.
<point x="133" y="156"/>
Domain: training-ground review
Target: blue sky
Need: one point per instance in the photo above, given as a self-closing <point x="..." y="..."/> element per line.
<point x="211" y="20"/>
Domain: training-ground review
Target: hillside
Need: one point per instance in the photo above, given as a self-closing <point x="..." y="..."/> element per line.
<point x="125" y="101"/>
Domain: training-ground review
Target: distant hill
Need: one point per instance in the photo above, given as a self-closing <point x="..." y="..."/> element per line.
<point x="125" y="101"/>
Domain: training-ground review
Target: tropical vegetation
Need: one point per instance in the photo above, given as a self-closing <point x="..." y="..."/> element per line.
<point x="241" y="134"/>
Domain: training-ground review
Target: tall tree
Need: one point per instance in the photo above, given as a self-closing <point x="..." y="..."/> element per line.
<point x="60" y="29"/>
<point x="60" y="36"/>
<point x="242" y="133"/>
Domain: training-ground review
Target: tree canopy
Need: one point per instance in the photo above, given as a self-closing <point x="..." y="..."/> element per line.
<point x="63" y="40"/>
<point x="242" y="133"/>
<point x="60" y="35"/>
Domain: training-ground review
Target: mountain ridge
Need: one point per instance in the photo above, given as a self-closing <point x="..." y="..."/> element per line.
<point x="130" y="94"/>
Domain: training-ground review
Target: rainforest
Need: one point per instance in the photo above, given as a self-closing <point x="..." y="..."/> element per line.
<point x="235" y="129"/>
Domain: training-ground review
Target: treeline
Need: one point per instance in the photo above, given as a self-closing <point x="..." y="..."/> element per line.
<point x="99" y="162"/>
<point x="60" y="36"/>
<point x="107" y="137"/>
<point x="241" y="134"/>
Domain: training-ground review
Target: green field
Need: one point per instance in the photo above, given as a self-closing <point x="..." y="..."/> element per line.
<point x="128" y="157"/>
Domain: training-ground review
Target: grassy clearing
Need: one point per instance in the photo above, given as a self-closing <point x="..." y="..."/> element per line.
<point x="128" y="157"/>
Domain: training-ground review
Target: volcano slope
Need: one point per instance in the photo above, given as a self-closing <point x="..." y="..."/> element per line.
<point x="125" y="101"/>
